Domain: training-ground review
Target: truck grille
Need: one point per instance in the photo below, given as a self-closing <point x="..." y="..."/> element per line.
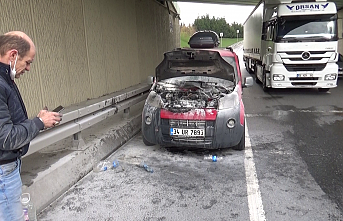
<point x="300" y="52"/>
<point x="305" y="67"/>
<point x="300" y="59"/>
<point x="304" y="83"/>
<point x="304" y="79"/>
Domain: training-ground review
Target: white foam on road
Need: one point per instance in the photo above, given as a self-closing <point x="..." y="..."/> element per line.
<point x="256" y="210"/>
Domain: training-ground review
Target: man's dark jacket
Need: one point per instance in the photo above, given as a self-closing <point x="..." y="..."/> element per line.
<point x="16" y="130"/>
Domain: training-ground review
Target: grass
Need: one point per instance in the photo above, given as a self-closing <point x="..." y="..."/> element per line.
<point x="225" y="41"/>
<point x="184" y="39"/>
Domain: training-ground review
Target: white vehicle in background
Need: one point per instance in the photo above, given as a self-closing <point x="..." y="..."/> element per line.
<point x="292" y="45"/>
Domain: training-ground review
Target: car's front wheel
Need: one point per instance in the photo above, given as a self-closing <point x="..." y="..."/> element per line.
<point x="241" y="144"/>
<point x="147" y="143"/>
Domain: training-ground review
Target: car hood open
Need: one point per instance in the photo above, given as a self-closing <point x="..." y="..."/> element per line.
<point x="194" y="62"/>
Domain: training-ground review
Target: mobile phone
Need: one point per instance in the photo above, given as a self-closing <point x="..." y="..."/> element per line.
<point x="58" y="109"/>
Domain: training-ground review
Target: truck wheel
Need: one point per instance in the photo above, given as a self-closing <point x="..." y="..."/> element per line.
<point x="264" y="79"/>
<point x="246" y="67"/>
<point x="323" y="90"/>
<point x="256" y="78"/>
<point x="147" y="143"/>
<point x="241" y="144"/>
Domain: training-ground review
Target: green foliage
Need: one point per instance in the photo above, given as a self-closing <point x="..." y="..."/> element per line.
<point x="218" y="25"/>
<point x="229" y="41"/>
<point x="184" y="39"/>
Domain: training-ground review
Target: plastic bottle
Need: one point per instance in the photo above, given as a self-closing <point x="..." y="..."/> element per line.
<point x="146" y="167"/>
<point x="28" y="207"/>
<point x="213" y="158"/>
<point x="104" y="165"/>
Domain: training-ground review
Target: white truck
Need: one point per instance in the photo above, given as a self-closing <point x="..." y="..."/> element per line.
<point x="292" y="45"/>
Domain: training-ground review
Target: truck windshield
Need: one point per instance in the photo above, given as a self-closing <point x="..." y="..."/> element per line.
<point x="307" y="29"/>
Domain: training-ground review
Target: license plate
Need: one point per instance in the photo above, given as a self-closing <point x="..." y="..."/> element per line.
<point x="304" y="75"/>
<point x="187" y="132"/>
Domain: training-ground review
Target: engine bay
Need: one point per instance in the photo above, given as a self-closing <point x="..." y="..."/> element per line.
<point x="183" y="96"/>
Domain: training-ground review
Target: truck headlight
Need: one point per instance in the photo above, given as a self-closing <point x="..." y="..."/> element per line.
<point x="278" y="77"/>
<point x="330" y="77"/>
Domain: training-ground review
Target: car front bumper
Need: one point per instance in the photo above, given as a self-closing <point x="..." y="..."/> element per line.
<point x="217" y="134"/>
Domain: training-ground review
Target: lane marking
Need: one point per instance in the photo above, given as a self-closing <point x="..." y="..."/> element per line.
<point x="273" y="113"/>
<point x="254" y="195"/>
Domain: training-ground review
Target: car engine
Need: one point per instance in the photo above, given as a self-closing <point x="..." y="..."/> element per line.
<point x="185" y="96"/>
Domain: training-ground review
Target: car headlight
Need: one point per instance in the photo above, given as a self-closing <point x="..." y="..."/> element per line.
<point x="154" y="100"/>
<point x="148" y="119"/>
<point x="330" y="77"/>
<point x="278" y="77"/>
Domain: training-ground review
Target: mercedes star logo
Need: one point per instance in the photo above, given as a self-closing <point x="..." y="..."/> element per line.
<point x="306" y="55"/>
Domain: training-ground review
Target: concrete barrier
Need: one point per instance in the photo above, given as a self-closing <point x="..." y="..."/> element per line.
<point x="48" y="173"/>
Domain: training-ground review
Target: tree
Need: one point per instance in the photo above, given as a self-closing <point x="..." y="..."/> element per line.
<point x="218" y="25"/>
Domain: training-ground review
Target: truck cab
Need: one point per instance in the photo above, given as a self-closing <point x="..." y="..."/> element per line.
<point x="298" y="47"/>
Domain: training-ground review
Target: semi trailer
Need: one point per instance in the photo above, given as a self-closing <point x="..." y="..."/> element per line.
<point x="292" y="45"/>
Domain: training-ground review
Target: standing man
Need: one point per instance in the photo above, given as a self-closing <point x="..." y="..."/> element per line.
<point x="17" y="52"/>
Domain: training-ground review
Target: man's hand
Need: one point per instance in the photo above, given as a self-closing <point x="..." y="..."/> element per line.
<point x="50" y="119"/>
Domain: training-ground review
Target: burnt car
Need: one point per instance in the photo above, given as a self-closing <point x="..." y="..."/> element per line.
<point x="196" y="101"/>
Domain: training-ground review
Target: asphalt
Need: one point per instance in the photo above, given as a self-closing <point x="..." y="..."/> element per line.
<point x="49" y="173"/>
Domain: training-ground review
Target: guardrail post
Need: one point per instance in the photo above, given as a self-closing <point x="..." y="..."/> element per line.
<point x="78" y="142"/>
<point x="126" y="113"/>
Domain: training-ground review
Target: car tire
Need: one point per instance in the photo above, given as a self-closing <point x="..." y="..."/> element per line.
<point x="323" y="90"/>
<point x="147" y="143"/>
<point x="241" y="144"/>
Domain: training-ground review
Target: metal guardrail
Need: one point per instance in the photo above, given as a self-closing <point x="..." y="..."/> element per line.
<point x="84" y="115"/>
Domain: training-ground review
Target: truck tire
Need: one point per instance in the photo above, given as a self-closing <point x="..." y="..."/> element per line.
<point x="264" y="79"/>
<point x="147" y="143"/>
<point x="256" y="78"/>
<point x="323" y="90"/>
<point x="248" y="69"/>
<point x="241" y="144"/>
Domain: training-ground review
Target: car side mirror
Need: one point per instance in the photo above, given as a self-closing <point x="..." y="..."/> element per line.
<point x="150" y="80"/>
<point x="248" y="82"/>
